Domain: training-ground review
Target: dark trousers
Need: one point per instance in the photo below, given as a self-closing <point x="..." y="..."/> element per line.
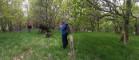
<point x="29" y="28"/>
<point x="64" y="40"/>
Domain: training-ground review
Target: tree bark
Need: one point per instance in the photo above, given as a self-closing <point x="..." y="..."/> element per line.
<point x="125" y="37"/>
<point x="126" y="18"/>
<point x="136" y="28"/>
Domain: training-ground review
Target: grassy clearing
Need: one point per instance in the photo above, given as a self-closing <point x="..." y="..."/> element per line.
<point x="18" y="45"/>
<point x="105" y="46"/>
<point x="88" y="46"/>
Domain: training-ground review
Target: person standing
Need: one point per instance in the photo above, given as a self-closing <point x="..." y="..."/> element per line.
<point x="29" y="26"/>
<point x="65" y="31"/>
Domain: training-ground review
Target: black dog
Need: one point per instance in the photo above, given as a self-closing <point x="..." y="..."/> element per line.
<point x="44" y="29"/>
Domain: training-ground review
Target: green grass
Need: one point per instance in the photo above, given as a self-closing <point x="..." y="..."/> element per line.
<point x="88" y="46"/>
<point x="105" y="46"/>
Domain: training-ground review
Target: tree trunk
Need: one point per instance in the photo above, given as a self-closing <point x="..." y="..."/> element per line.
<point x="126" y="18"/>
<point x="136" y="28"/>
<point x="92" y="24"/>
<point x="97" y="23"/>
<point x="3" y="28"/>
<point x="125" y="37"/>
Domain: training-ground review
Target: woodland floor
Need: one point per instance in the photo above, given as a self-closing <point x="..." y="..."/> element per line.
<point x="88" y="46"/>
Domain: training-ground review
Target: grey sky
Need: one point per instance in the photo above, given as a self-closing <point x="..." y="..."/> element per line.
<point x="25" y="6"/>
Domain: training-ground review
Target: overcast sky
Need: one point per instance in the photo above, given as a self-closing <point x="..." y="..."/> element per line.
<point x="137" y="3"/>
<point x="25" y="6"/>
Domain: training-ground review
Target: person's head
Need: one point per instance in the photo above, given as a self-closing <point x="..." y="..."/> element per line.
<point x="63" y="22"/>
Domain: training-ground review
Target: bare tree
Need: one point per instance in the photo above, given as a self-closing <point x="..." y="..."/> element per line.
<point x="115" y="7"/>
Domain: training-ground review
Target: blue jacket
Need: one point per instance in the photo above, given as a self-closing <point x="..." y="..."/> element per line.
<point x="64" y="28"/>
